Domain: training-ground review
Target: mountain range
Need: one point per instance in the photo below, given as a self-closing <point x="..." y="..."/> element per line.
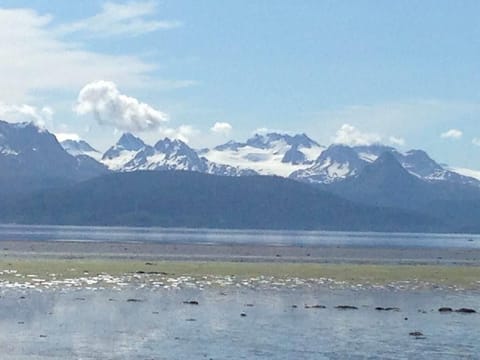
<point x="375" y="179"/>
<point x="297" y="157"/>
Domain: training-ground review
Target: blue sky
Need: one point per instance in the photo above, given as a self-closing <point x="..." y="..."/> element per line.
<point x="402" y="72"/>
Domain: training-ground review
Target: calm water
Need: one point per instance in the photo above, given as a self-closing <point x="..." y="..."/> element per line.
<point x="103" y="325"/>
<point x="316" y="238"/>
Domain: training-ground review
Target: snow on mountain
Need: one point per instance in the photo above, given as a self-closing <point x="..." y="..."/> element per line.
<point x="475" y="174"/>
<point x="336" y="163"/>
<point x="268" y="154"/>
<point x="28" y="151"/>
<point x="80" y="147"/>
<point x="132" y="154"/>
<point x="167" y="154"/>
<point x="339" y="162"/>
<point x="123" y="152"/>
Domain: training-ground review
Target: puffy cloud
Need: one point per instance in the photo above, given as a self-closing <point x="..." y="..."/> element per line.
<point x="396" y="141"/>
<point x="350" y="135"/>
<point x="476" y="141"/>
<point x="125" y="19"/>
<point x="26" y="113"/>
<point x="452" y="134"/>
<point x="222" y="128"/>
<point x="110" y="107"/>
<point x="67" y="136"/>
<point x="183" y="132"/>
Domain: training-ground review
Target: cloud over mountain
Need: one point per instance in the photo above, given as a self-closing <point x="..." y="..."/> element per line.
<point x="223" y="128"/>
<point x="350" y="135"/>
<point x="452" y="134"/>
<point x="111" y="107"/>
<point x="26" y="113"/>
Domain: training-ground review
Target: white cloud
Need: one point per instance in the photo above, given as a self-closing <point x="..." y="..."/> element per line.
<point x="396" y="141"/>
<point x="26" y="113"/>
<point x="265" y="130"/>
<point x="120" y="19"/>
<point x="67" y="136"/>
<point x="476" y="141"/>
<point x="35" y="56"/>
<point x="222" y="128"/>
<point x="350" y="135"/>
<point x="452" y="134"/>
<point x="183" y="132"/>
<point x="110" y="107"/>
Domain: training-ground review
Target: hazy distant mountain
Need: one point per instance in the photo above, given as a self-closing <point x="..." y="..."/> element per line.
<point x="80" y="147"/>
<point x="32" y="158"/>
<point x="339" y="162"/>
<point x="192" y="199"/>
<point x="386" y="183"/>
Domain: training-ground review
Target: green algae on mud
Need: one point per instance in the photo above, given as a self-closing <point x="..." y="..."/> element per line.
<point x="465" y="276"/>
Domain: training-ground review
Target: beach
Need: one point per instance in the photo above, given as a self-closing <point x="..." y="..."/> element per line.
<point x="152" y="300"/>
<point x="368" y="266"/>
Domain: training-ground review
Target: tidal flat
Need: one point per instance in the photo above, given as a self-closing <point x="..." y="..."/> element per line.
<point x="91" y="300"/>
<point x="46" y="273"/>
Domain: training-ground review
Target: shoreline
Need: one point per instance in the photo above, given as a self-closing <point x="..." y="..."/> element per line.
<point x="55" y="262"/>
<point x="27" y="249"/>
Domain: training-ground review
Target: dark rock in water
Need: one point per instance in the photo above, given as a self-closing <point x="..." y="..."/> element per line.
<point x="191" y="302"/>
<point x="466" y="311"/>
<point x="445" y="310"/>
<point x="155" y="312"/>
<point x="191" y="320"/>
<point x="315" y="307"/>
<point x="249" y="305"/>
<point x="43" y="336"/>
<point x="134" y="300"/>
<point x="346" y="307"/>
<point x="417" y="334"/>
<point x="379" y="308"/>
<point x="294" y="306"/>
<point x="243" y="315"/>
<point x="405" y="319"/>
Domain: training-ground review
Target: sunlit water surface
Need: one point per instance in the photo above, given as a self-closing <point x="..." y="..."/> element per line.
<point x="215" y="236"/>
<point x="103" y="324"/>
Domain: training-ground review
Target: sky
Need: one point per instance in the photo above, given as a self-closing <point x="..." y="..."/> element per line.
<point x="404" y="73"/>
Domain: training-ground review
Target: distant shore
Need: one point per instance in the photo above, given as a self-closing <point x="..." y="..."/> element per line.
<point x="239" y="253"/>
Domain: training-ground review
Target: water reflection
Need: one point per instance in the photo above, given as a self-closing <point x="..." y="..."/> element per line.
<point x="208" y="236"/>
<point x="104" y="324"/>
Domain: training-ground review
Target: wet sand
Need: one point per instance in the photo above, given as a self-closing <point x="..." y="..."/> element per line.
<point x="53" y="262"/>
<point x="239" y="253"/>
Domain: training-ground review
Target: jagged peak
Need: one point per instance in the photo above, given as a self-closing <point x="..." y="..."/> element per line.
<point x="129" y="141"/>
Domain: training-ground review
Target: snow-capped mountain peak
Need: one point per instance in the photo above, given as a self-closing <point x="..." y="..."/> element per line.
<point x="269" y="154"/>
<point x="124" y="151"/>
<point x="335" y="163"/>
<point x="130" y="142"/>
<point x="80" y="147"/>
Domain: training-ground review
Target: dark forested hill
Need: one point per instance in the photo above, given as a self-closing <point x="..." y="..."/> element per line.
<point x="190" y="199"/>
